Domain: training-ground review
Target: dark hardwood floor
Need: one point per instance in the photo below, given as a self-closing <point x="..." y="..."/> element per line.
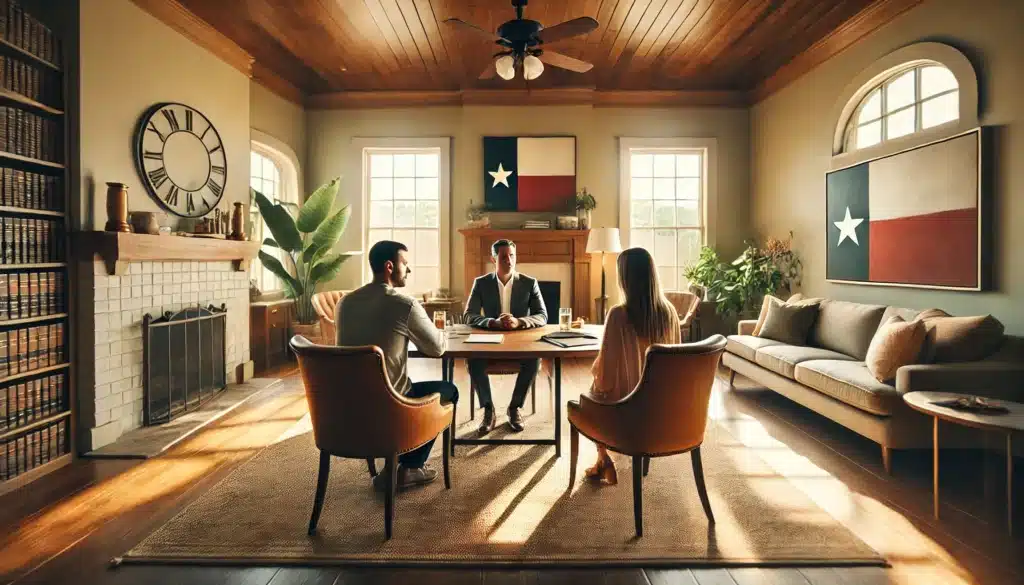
<point x="67" y="527"/>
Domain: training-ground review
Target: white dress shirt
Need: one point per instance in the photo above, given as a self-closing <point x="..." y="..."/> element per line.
<point x="505" y="292"/>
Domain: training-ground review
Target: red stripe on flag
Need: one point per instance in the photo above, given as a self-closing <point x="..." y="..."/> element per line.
<point x="936" y="249"/>
<point x="546" y="193"/>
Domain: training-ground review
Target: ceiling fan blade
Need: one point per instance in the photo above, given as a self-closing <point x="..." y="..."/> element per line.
<point x="569" y="28"/>
<point x="565" y="61"/>
<point x="463" y="25"/>
<point x="489" y="72"/>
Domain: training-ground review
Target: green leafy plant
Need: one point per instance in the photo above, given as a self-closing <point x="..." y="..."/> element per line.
<point x="758" y="271"/>
<point x="585" y="201"/>
<point x="307" y="240"/>
<point x="705" y="270"/>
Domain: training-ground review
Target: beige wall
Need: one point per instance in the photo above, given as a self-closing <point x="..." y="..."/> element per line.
<point x="130" y="61"/>
<point x="792" y="135"/>
<point x="331" y="154"/>
<point x="281" y="119"/>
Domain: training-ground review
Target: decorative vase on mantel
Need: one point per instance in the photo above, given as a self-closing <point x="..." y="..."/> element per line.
<point x="117" y="208"/>
<point x="584" y="217"/>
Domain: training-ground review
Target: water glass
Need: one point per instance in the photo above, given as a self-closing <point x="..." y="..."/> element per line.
<point x="564" y="318"/>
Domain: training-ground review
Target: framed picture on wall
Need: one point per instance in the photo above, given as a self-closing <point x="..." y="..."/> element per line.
<point x="913" y="218"/>
<point x="529" y="173"/>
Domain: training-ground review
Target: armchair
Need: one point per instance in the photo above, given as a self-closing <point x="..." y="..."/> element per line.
<point x="325" y="303"/>
<point x="687" y="305"/>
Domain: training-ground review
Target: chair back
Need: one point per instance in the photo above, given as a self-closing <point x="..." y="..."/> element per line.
<point x="686" y="304"/>
<point x="353" y="407"/>
<point x="325" y="303"/>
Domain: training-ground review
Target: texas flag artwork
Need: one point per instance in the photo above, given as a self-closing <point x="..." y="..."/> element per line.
<point x="529" y="173"/>
<point x="908" y="219"/>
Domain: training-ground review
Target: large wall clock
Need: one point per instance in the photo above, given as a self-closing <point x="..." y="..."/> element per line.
<point x="180" y="158"/>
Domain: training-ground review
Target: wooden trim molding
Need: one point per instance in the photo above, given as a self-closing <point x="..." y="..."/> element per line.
<point x="277" y="84"/>
<point x="866" y="22"/>
<point x="181" y="19"/>
<point x="116" y="248"/>
<point x="662" y="98"/>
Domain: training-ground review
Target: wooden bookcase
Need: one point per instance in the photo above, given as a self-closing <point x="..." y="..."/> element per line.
<point x="36" y="395"/>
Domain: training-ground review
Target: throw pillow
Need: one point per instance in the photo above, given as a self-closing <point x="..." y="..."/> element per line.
<point x="897" y="343"/>
<point x="960" y="339"/>
<point x="795" y="299"/>
<point x="789" y="323"/>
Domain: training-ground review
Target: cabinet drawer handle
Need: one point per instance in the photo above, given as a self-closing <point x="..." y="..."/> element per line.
<point x="272" y="311"/>
<point x="273" y="325"/>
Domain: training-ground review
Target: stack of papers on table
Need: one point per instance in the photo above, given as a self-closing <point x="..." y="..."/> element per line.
<point x="570" y="339"/>
<point x="485" y="338"/>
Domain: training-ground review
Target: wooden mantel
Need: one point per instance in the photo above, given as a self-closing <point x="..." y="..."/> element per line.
<point x="117" y="248"/>
<point x="534" y="246"/>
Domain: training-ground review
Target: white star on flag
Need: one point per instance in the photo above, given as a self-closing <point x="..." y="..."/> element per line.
<point x="500" y="176"/>
<point x="848" y="228"/>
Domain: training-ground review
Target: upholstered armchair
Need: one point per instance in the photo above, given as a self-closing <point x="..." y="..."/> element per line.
<point x="686" y="305"/>
<point x="357" y="414"/>
<point x="666" y="414"/>
<point x="325" y="303"/>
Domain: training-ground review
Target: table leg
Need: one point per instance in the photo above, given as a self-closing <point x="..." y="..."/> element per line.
<point x="935" y="467"/>
<point x="1009" y="483"/>
<point x="558" y="407"/>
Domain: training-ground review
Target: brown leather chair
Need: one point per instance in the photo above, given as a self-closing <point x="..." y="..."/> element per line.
<point x="357" y="414"/>
<point x="666" y="414"/>
<point x="686" y="304"/>
<point x="325" y="303"/>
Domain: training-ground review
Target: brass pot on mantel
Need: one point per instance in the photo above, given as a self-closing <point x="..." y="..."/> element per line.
<point x="117" y="208"/>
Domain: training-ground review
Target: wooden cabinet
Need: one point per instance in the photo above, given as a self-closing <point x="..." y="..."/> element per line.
<point x="268" y="333"/>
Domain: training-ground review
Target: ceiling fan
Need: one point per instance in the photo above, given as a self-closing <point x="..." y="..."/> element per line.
<point x="522" y="42"/>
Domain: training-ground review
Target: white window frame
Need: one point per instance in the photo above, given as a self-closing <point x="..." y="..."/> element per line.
<point x="707" y="147"/>
<point x="289" y="190"/>
<point x="367" y="146"/>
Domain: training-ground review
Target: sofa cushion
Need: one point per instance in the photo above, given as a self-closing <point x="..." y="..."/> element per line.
<point x="960" y="339"/>
<point x="897" y="343"/>
<point x="782" y="359"/>
<point x="905" y="314"/>
<point x="769" y="300"/>
<point x="850" y="382"/>
<point x="789" y="323"/>
<point x="746" y="346"/>
<point x="846" y="327"/>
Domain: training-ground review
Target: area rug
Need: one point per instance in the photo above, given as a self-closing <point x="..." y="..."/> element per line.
<point x="509" y="506"/>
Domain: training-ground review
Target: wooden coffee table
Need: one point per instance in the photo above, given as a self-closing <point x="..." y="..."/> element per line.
<point x="1007" y="423"/>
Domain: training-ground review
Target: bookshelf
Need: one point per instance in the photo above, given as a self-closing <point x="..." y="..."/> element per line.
<point x="36" y="395"/>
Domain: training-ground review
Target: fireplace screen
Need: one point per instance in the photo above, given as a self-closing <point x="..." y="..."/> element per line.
<point x="183" y="361"/>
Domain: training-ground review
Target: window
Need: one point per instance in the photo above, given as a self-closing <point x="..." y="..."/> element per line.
<point x="404" y="188"/>
<point x="666" y="194"/>
<point x="912" y="100"/>
<point x="267" y="177"/>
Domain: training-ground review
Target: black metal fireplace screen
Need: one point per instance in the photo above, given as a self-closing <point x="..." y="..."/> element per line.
<point x="183" y="361"/>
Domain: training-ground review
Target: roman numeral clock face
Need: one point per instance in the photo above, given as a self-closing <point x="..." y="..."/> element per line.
<point x="181" y="159"/>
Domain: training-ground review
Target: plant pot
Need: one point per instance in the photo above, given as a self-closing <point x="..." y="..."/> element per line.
<point x="584" y="217"/>
<point x="700" y="291"/>
<point x="310" y="331"/>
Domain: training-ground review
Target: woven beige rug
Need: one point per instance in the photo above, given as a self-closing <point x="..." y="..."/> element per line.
<point x="508" y="506"/>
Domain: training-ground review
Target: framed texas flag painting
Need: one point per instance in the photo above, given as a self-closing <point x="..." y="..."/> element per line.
<point x="909" y="219"/>
<point x="529" y="173"/>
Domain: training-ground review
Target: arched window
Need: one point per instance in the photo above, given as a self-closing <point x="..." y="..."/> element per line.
<point x="911" y="100"/>
<point x="273" y="173"/>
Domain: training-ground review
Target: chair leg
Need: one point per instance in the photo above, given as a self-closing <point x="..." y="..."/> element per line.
<point x="390" y="468"/>
<point x="574" y="452"/>
<point x="702" y="490"/>
<point x="732" y="377"/>
<point x="446" y="439"/>
<point x="533" y="397"/>
<point x="887" y="460"/>
<point x="451" y="442"/>
<point x="321" y="490"/>
<point x="647" y="466"/>
<point x="472" y="401"/>
<point x="638" y="495"/>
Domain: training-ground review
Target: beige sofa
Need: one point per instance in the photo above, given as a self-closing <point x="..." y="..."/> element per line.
<point x="829" y="376"/>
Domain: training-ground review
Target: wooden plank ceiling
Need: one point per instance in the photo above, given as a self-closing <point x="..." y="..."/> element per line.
<point x="325" y="46"/>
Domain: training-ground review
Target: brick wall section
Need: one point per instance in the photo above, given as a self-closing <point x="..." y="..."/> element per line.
<point x="120" y="302"/>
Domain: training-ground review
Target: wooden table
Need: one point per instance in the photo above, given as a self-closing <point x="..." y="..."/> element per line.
<point x="1006" y="423"/>
<point x="517" y="345"/>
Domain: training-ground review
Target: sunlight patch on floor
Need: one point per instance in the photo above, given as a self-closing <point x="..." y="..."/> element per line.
<point x="519" y="509"/>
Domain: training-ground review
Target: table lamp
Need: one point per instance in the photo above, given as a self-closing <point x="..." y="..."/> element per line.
<point x="603" y="240"/>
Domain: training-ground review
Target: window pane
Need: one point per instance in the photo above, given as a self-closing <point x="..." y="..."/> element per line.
<point x="408" y="237"/>
<point x="688" y="189"/>
<point x="270" y="189"/>
<point x="428" y="248"/>
<point x="664" y="165"/>
<point x="936" y="79"/>
<point x="381" y="213"/>
<point x="687" y="213"/>
<point x="381" y="189"/>
<point x="665" y="247"/>
<point x="268" y="168"/>
<point x="405" y="213"/>
<point x="900" y="92"/>
<point x="664" y="188"/>
<point x="688" y="249"/>
<point x="426" y="165"/>
<point x="664" y="213"/>
<point x="427" y="214"/>
<point x="256" y="183"/>
<point x="641" y="216"/>
<point x="940" y="110"/>
<point x="412" y="285"/>
<point x="380" y="165"/>
<point x="405" y="188"/>
<point x="901" y="123"/>
<point x="374" y="236"/>
<point x="688" y="165"/>
<point x="641" y="188"/>
<point x="428" y="280"/>
<point x="255" y="165"/>
<point x="872" y="109"/>
<point x="405" y="165"/>
<point x="426" y="189"/>
<point x="641" y="165"/>
<point x="869" y="134"/>
<point x="642" y="239"/>
<point x="277" y="175"/>
<point x="667" y="277"/>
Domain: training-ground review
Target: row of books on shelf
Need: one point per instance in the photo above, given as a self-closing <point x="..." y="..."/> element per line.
<point x="26" y="402"/>
<point x="26" y="32"/>
<point x="31" y="241"/>
<point x="26" y="452"/>
<point x="30" y="190"/>
<point x="29" y="349"/>
<point x="31" y="294"/>
<point x="31" y="135"/>
<point x="29" y="80"/>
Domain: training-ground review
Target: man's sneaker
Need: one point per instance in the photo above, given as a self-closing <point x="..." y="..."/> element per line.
<point x="415" y="476"/>
<point x="515" y="419"/>
<point x="487" y="424"/>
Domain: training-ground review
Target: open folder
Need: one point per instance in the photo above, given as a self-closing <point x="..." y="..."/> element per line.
<point x="570" y="339"/>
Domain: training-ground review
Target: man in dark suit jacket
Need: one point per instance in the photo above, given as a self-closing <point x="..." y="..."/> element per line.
<point x="504" y="300"/>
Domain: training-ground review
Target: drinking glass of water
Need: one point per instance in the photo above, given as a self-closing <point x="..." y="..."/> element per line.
<point x="564" y="318"/>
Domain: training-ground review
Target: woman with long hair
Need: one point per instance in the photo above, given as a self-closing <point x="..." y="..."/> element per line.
<point x="645" y="317"/>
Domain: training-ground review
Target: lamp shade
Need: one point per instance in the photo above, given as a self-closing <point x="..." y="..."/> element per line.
<point x="604" y="240"/>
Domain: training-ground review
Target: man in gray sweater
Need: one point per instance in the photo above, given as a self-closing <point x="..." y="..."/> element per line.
<point x="377" y="314"/>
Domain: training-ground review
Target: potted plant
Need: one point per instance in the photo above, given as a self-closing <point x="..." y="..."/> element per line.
<point x="585" y="203"/>
<point x="741" y="286"/>
<point x="702" y="273"/>
<point x="307" y="240"/>
<point x="477" y="215"/>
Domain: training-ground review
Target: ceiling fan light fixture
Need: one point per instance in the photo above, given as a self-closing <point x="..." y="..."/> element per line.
<point x="505" y="66"/>
<point x="532" y="67"/>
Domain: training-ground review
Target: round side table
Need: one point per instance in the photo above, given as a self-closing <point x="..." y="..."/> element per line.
<point x="1006" y="423"/>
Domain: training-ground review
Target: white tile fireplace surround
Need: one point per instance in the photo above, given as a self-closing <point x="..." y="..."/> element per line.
<point x="113" y="403"/>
